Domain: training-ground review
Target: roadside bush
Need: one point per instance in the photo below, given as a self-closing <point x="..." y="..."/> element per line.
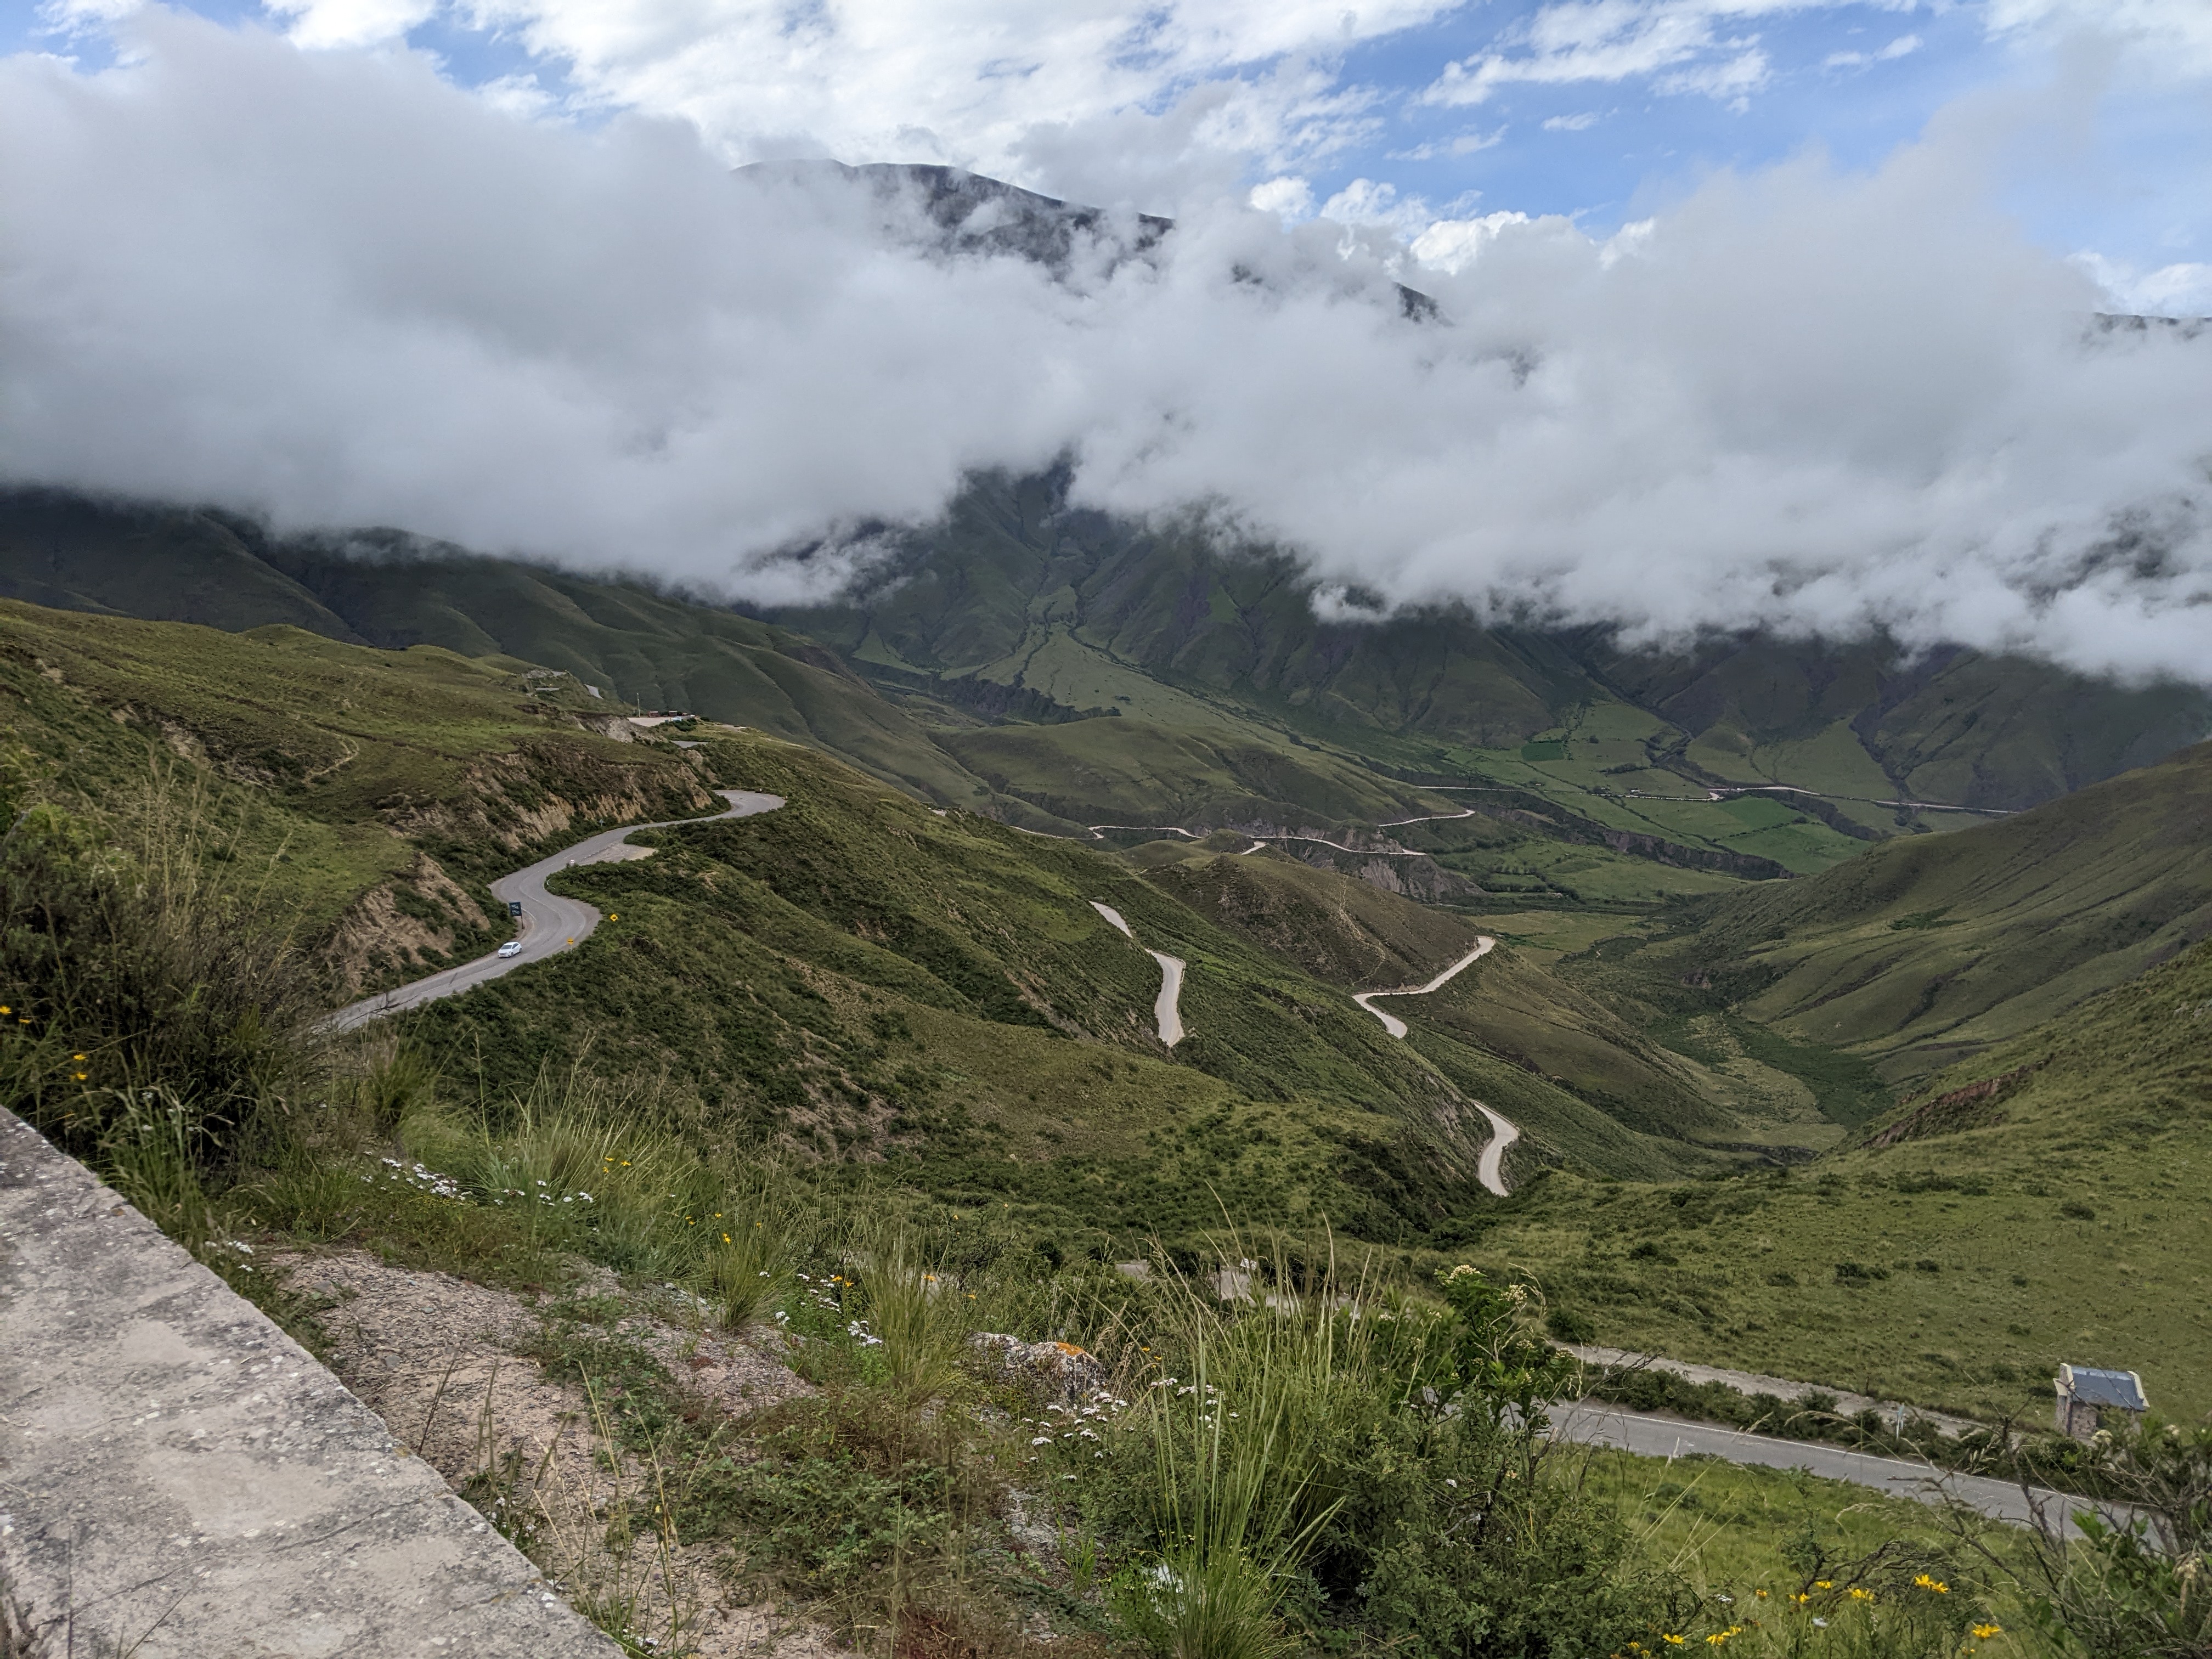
<point x="1353" y="1468"/>
<point x="2136" y="1587"/>
<point x="1570" y="1325"/>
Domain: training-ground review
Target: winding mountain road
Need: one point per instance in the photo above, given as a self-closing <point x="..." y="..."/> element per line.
<point x="1483" y="944"/>
<point x="1491" y="1171"/>
<point x="550" y="923"/>
<point x="1592" y="1422"/>
<point x="1167" y="1007"/>
<point x="1504" y="1132"/>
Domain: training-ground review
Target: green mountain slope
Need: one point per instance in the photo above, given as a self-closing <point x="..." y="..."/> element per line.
<point x="1928" y="950"/>
<point x="1507" y="1004"/>
<point x="1062" y="668"/>
<point x="2043" y="1203"/>
<point x="373" y="792"/>
<point x="1015" y="587"/>
<point x="765" y="974"/>
<point x="381" y="588"/>
<point x="1347" y="932"/>
<point x="856" y="975"/>
<point x="864" y="980"/>
<point x="1953" y="726"/>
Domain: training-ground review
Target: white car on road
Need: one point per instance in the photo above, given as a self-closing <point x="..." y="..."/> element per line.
<point x="512" y="948"/>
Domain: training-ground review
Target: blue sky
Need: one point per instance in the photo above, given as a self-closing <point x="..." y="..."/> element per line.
<point x="1599" y="109"/>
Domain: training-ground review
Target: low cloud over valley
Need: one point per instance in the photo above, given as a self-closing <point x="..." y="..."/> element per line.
<point x="335" y="289"/>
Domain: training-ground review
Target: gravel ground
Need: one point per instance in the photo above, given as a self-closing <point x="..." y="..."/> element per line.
<point x="442" y="1362"/>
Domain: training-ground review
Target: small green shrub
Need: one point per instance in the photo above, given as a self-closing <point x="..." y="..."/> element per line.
<point x="2133" y="1586"/>
<point x="1570" y="1325"/>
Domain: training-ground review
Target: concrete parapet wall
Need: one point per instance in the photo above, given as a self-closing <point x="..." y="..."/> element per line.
<point x="179" y="1479"/>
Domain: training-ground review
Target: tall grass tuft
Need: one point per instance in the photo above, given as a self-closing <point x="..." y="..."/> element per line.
<point x="140" y="951"/>
<point x="751" y="1252"/>
<point x="580" y="1169"/>
<point x="916" y="1311"/>
<point x="145" y="1152"/>
<point x="1242" y="1433"/>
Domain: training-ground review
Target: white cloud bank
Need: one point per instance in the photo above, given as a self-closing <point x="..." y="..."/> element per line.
<point x="331" y="288"/>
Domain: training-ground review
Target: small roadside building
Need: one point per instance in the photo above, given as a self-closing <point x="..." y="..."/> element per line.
<point x="2084" y="1390"/>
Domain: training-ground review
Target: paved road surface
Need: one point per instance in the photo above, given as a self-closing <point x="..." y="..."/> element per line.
<point x="1594" y="1423"/>
<point x="1491" y="1171"/>
<point x="1167" y="1013"/>
<point x="1483" y="946"/>
<point x="1848" y="1404"/>
<point x="550" y="924"/>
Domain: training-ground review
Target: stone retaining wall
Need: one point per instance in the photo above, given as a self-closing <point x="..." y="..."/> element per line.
<point x="179" y="1479"/>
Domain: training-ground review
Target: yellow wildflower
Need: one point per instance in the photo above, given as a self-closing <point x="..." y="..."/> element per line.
<point x="1936" y="1584"/>
<point x="1675" y="1640"/>
<point x="1858" y="1595"/>
<point x="1982" y="1632"/>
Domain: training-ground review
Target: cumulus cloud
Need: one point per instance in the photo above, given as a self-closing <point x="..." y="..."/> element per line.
<point x="1681" y="45"/>
<point x="1904" y="46"/>
<point x="1287" y="197"/>
<point x="332" y="289"/>
<point x="975" y="83"/>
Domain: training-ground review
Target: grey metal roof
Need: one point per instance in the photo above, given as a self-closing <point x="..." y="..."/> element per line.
<point x="2120" y="1389"/>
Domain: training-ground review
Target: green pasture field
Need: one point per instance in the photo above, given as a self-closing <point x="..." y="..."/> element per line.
<point x="1928" y="950"/>
<point x="2057" y="1218"/>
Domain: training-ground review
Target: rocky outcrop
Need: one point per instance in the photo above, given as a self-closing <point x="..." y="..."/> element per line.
<point x="404" y="925"/>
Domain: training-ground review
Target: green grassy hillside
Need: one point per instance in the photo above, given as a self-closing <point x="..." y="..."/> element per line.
<point x="1060" y="668"/>
<point x="862" y="980"/>
<point x="375" y="793"/>
<point x="1347" y="932"/>
<point x="1930" y="949"/>
<point x="859" y="976"/>
<point x="381" y="588"/>
<point x="1140" y="771"/>
<point x="2043" y="1203"/>
<point x="372" y="791"/>
<point x="1953" y="726"/>
<point x="1507" y="1004"/>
